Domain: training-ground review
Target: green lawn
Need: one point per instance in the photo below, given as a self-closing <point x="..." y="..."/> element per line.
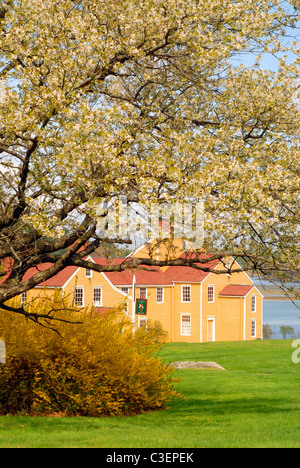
<point x="255" y="403"/>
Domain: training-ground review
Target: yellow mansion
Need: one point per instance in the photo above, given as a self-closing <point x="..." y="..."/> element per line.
<point x="191" y="305"/>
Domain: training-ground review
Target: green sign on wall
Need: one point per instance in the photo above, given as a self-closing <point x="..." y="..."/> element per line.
<point x="141" y="306"/>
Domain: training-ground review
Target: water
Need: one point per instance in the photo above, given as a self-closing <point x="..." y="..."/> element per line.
<point x="267" y="284"/>
<point x="282" y="312"/>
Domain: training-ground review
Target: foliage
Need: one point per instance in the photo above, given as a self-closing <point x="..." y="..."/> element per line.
<point x="95" y="368"/>
<point x="255" y="403"/>
<point x="146" y="100"/>
<point x="287" y="331"/>
<point x="267" y="331"/>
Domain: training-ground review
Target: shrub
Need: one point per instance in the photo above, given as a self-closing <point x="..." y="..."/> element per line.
<point x="95" y="368"/>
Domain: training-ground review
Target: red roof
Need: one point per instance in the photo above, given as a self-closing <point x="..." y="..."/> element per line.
<point x="57" y="281"/>
<point x="153" y="276"/>
<point x="150" y="276"/>
<point x="236" y="290"/>
<point x="186" y="274"/>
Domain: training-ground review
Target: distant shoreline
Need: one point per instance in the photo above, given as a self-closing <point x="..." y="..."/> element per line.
<point x="275" y="294"/>
<point x="280" y="298"/>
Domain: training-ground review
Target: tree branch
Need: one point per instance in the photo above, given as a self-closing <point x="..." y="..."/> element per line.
<point x="38" y="317"/>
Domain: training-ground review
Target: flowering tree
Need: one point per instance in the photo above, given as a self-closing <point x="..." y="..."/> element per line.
<point x="103" y="98"/>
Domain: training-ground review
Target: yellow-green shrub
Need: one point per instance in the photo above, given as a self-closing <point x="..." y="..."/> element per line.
<point x="95" y="368"/>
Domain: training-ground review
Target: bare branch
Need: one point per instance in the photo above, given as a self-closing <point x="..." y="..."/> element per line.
<point x="40" y="319"/>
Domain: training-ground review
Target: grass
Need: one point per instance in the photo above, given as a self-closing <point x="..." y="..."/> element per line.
<point x="254" y="403"/>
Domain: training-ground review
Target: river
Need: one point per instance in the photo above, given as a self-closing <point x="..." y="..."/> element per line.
<point x="279" y="312"/>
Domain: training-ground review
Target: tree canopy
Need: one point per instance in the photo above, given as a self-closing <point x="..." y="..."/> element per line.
<point x="152" y="101"/>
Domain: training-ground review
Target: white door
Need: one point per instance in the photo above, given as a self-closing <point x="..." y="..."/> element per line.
<point x="210" y="329"/>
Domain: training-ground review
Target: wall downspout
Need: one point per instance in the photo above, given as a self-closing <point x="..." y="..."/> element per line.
<point x="244" y="337"/>
<point x="201" y="312"/>
<point x="172" y="312"/>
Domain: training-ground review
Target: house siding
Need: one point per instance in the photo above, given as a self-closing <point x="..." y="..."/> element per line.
<point x="228" y="317"/>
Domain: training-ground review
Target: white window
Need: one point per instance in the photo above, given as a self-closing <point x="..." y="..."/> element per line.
<point x="126" y="303"/>
<point x="88" y="273"/>
<point x="185" y="324"/>
<point x="24" y="296"/>
<point x="79" y="296"/>
<point x="159" y="294"/>
<point x="143" y="293"/>
<point x="97" y="296"/>
<point x="142" y="322"/>
<point x="186" y="294"/>
<point x="210" y="293"/>
<point x="253" y="328"/>
<point x="253" y="303"/>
